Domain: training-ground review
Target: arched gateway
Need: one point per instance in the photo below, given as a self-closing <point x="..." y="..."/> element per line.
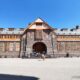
<point x="39" y="47"/>
<point x="37" y="39"/>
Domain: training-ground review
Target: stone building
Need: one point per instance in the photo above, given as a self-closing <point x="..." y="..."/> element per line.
<point x="39" y="38"/>
<point x="10" y="42"/>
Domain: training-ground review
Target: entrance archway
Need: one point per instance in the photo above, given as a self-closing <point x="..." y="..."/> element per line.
<point x="40" y="47"/>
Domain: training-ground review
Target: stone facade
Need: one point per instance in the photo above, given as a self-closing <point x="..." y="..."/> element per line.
<point x="10" y="42"/>
<point x="9" y="49"/>
<point x="39" y="38"/>
<point x="28" y="40"/>
<point x="59" y="43"/>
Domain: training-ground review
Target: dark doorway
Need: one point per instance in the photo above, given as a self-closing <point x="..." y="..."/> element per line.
<point x="40" y="47"/>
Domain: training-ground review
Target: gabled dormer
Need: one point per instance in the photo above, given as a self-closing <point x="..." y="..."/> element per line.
<point x="38" y="24"/>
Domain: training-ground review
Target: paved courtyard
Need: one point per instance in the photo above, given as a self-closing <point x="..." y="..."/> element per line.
<point x="49" y="69"/>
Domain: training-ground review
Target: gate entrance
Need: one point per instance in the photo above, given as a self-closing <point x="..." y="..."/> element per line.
<point x="40" y="47"/>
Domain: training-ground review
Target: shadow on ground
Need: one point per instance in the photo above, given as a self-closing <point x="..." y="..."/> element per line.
<point x="15" y="77"/>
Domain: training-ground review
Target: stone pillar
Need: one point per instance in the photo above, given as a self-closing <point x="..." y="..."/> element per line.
<point x="28" y="51"/>
<point x="54" y="46"/>
<point x="49" y="50"/>
<point x="54" y="42"/>
<point x="22" y="48"/>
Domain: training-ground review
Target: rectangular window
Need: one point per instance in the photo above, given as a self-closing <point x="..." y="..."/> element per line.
<point x="17" y="46"/>
<point x="1" y="46"/>
<point x="11" y="46"/>
<point x="6" y="46"/>
<point x="38" y="24"/>
<point x="38" y="35"/>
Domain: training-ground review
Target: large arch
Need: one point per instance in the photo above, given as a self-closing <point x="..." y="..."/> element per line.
<point x="39" y="47"/>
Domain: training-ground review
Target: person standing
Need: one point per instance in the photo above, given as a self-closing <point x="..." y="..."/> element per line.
<point x="43" y="56"/>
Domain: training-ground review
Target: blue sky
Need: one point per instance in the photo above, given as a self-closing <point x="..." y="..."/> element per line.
<point x="58" y="13"/>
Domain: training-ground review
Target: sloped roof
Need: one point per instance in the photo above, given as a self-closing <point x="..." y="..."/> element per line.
<point x="73" y="31"/>
<point x="15" y="31"/>
<point x="38" y="20"/>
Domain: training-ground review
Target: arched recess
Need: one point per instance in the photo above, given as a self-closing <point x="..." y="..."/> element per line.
<point x="39" y="47"/>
